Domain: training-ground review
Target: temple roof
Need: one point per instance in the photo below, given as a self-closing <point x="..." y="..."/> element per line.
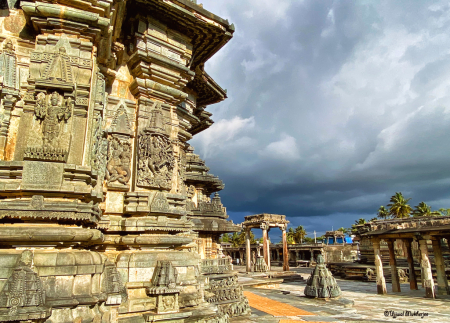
<point x="208" y="31"/>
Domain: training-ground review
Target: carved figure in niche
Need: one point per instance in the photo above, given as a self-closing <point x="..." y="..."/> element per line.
<point x="99" y="152"/>
<point x="52" y="113"/>
<point x="156" y="157"/>
<point x="119" y="161"/>
<point x="156" y="161"/>
<point x="181" y="173"/>
<point x="8" y="64"/>
<point x="190" y="205"/>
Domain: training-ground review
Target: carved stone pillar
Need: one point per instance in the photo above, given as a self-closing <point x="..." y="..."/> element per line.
<point x="393" y="264"/>
<point x="264" y="228"/>
<point x="410" y="259"/>
<point x="381" y="283"/>
<point x="426" y="269"/>
<point x="442" y="288"/>
<point x="268" y="249"/>
<point x="285" y="251"/>
<point x="247" y="251"/>
<point x="8" y="104"/>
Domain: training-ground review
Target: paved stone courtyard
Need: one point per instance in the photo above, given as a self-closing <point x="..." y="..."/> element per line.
<point x="358" y="303"/>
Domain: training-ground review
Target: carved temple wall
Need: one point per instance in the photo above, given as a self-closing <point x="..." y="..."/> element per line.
<point x="98" y="183"/>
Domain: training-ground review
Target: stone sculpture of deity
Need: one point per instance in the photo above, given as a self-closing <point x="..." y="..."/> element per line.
<point x="52" y="111"/>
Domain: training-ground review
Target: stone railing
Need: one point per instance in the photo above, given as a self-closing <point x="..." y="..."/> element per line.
<point x="216" y="266"/>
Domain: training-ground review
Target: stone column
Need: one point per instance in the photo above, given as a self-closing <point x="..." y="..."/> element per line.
<point x="268" y="250"/>
<point x="381" y="283"/>
<point x="426" y="269"/>
<point x="285" y="251"/>
<point x="264" y="228"/>
<point x="442" y="288"/>
<point x="393" y="264"/>
<point x="247" y="250"/>
<point x="412" y="272"/>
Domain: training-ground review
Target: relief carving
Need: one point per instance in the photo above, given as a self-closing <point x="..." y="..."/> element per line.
<point x="235" y="309"/>
<point x="119" y="161"/>
<point x="156" y="156"/>
<point x="190" y="205"/>
<point x="22" y="296"/>
<point x="8" y="64"/>
<point x="160" y="203"/>
<point x="99" y="152"/>
<point x="58" y="69"/>
<point x="113" y="285"/>
<point x="181" y="187"/>
<point x="52" y="109"/>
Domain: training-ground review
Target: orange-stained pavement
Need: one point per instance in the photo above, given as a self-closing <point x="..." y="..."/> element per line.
<point x="272" y="307"/>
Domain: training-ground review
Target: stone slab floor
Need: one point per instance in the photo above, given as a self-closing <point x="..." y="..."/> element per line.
<point x="367" y="307"/>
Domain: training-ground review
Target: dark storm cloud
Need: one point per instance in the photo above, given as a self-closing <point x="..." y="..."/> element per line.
<point x="333" y="106"/>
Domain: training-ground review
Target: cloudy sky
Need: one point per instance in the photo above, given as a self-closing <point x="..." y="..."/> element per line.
<point x="332" y="107"/>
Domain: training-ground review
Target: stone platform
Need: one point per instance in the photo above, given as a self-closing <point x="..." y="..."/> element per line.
<point x="358" y="303"/>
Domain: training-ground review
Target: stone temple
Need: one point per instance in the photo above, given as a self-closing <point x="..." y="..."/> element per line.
<point x="106" y="213"/>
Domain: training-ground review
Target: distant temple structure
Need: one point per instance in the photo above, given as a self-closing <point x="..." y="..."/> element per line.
<point x="106" y="213"/>
<point x="420" y="245"/>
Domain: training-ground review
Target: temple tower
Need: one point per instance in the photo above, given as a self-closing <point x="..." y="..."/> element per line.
<point x="99" y="187"/>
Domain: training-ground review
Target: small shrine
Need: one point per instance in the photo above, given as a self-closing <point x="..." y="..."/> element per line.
<point x="265" y="222"/>
<point x="260" y="265"/>
<point x="321" y="283"/>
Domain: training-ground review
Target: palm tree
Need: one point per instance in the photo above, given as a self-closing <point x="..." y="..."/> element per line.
<point x="444" y="212"/>
<point x="360" y="221"/>
<point x="357" y="222"/>
<point x="300" y="234"/>
<point x="383" y="213"/>
<point x="423" y="209"/>
<point x="290" y="236"/>
<point x="225" y="237"/>
<point x="399" y="207"/>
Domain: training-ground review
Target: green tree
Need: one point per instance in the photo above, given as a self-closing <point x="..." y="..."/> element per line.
<point x="225" y="237"/>
<point x="238" y="239"/>
<point x="290" y="236"/>
<point x="399" y="207"/>
<point x="300" y="234"/>
<point x="423" y="209"/>
<point x="357" y="222"/>
<point x="360" y="221"/>
<point x="235" y="240"/>
<point x="383" y="213"/>
<point x="444" y="212"/>
<point x="343" y="230"/>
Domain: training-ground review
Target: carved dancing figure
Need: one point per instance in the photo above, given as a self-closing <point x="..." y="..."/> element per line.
<point x="119" y="162"/>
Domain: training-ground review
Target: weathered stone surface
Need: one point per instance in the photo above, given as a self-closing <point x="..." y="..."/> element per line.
<point x="321" y="283"/>
<point x="99" y="186"/>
